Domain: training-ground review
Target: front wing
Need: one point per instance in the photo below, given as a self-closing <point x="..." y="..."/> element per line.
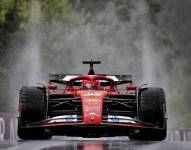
<point x="71" y="125"/>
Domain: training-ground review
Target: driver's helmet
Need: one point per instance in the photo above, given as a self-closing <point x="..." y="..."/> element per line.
<point x="96" y="84"/>
<point x="87" y="84"/>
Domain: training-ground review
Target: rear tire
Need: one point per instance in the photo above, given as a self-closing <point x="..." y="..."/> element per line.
<point x="153" y="110"/>
<point x="32" y="103"/>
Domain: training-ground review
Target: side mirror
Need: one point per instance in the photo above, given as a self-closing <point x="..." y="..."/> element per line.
<point x="131" y="88"/>
<point x="52" y="87"/>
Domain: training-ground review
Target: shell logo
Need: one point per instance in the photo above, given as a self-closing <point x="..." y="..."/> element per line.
<point x="92" y="101"/>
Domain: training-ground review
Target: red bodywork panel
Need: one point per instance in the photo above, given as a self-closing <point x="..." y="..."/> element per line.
<point x="131" y="87"/>
<point x="92" y="100"/>
<point x="92" y="105"/>
<point x="52" y="87"/>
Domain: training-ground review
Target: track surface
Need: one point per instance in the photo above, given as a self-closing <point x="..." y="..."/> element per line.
<point x="123" y="143"/>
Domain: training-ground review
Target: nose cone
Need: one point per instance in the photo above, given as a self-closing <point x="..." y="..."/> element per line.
<point x="92" y="106"/>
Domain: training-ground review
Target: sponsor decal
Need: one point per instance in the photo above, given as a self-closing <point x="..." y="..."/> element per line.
<point x="93" y="93"/>
<point x="92" y="113"/>
<point x="64" y="118"/>
<point x="92" y="101"/>
<point x="120" y="119"/>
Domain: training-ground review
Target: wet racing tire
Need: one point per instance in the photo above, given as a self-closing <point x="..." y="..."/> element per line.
<point x="152" y="109"/>
<point x="32" y="108"/>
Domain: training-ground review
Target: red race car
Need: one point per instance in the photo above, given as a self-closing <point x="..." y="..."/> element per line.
<point x="92" y="105"/>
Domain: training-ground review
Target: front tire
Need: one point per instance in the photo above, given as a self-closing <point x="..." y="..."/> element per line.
<point x="32" y="105"/>
<point x="152" y="109"/>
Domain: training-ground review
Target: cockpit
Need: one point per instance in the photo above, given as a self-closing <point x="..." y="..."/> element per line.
<point x="92" y="83"/>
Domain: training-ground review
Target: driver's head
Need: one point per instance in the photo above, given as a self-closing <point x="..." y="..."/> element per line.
<point x="87" y="84"/>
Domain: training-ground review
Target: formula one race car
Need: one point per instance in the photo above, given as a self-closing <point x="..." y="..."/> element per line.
<point x="92" y="105"/>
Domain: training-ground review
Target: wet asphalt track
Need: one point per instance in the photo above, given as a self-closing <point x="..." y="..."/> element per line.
<point x="122" y="143"/>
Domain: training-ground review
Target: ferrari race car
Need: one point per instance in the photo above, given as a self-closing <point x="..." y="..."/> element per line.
<point x="93" y="105"/>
